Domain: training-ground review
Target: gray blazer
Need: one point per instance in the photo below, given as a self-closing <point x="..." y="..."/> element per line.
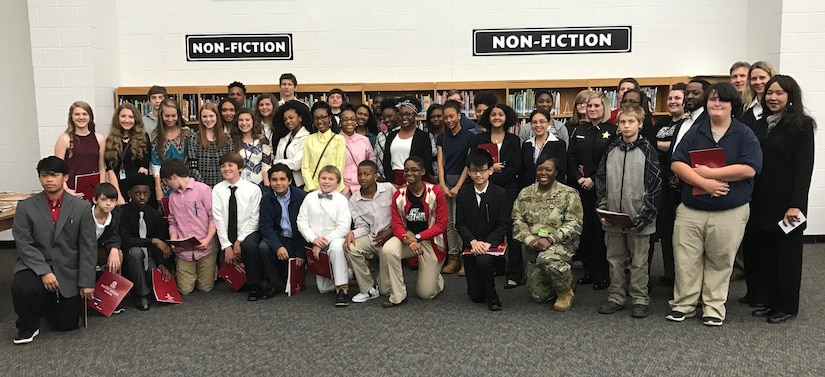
<point x="68" y="249"/>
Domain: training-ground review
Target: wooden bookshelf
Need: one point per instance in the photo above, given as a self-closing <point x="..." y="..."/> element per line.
<point x="565" y="91"/>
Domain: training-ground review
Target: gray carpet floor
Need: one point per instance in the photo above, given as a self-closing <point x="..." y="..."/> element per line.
<point x="221" y="334"/>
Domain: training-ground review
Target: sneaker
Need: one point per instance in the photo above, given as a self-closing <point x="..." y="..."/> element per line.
<point x="639" y="311"/>
<point x="342" y="299"/>
<point x="364" y="297"/>
<point x="610" y="307"/>
<point x="677" y="316"/>
<point x="711" y="321"/>
<point x="25" y="337"/>
<point x="119" y="310"/>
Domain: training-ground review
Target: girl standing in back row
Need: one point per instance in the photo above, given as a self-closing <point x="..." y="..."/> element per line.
<point x="80" y="146"/>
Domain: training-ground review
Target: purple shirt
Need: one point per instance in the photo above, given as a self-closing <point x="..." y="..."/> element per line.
<point x="190" y="215"/>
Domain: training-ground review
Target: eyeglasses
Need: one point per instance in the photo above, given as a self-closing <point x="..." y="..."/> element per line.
<point x="412" y="170"/>
<point x="347" y="120"/>
<point x="322" y="117"/>
<point x="478" y="172"/>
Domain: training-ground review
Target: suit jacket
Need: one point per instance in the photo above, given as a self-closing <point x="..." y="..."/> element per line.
<point x="489" y="222"/>
<point x="156" y="227"/>
<point x="68" y="249"/>
<point x="111" y="234"/>
<point x="557" y="149"/>
<point x="510" y="155"/>
<point x="787" y="166"/>
<point x="270" y="222"/>
<point x="420" y="147"/>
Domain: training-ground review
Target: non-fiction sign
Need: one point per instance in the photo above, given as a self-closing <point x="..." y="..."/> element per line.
<point x="538" y="41"/>
<point x="229" y="47"/>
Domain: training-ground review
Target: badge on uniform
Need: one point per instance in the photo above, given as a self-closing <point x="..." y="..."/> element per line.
<point x="544" y="233"/>
<point x="605" y="135"/>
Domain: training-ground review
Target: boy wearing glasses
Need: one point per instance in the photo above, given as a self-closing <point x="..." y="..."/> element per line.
<point x="483" y="221"/>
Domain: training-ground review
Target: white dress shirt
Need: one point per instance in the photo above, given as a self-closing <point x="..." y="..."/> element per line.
<point x="248" y="196"/>
<point x="324" y="217"/>
<point x="686" y="125"/>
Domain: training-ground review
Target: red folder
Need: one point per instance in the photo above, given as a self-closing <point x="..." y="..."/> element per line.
<point x="320" y="266"/>
<point x="187" y="244"/>
<point x="616" y="218"/>
<point x="296" y="277"/>
<point x="85" y="184"/>
<point x="165" y="291"/>
<point x="234" y="274"/>
<point x="496" y="250"/>
<point x="110" y="290"/>
<point x="492" y="149"/>
<point x="713" y="158"/>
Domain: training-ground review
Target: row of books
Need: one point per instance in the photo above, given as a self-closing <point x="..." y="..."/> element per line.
<point x="189" y="104"/>
<point x="613" y="98"/>
<point x="524" y="101"/>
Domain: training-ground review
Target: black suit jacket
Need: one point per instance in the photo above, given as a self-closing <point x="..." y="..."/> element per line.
<point x="68" y="248"/>
<point x="156" y="227"/>
<point x="556" y="149"/>
<point x="270" y="222"/>
<point x="111" y="234"/>
<point x="489" y="222"/>
<point x="785" y="178"/>
<point x="510" y="155"/>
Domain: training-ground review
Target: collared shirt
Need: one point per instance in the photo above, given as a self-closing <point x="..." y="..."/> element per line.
<point x="190" y="215"/>
<point x="480" y="193"/>
<point x="454" y="149"/>
<point x="286" y="225"/>
<point x="330" y="218"/>
<point x="54" y="207"/>
<point x="314" y="151"/>
<point x="358" y="149"/>
<point x="371" y="216"/>
<point x="248" y="196"/>
<point x="686" y="125"/>
<point x="380" y="144"/>
<point x="99" y="228"/>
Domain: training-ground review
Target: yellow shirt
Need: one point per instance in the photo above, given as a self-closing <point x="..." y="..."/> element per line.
<point x="334" y="155"/>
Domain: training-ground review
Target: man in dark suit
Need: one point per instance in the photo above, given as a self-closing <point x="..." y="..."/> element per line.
<point x="56" y="253"/>
<point x="483" y="220"/>
<point x="281" y="238"/>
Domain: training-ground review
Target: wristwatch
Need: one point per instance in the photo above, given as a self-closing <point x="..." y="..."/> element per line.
<point x="418" y="237"/>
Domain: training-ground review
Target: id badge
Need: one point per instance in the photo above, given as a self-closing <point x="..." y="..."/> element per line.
<point x="544" y="233"/>
<point x="248" y="175"/>
<point x="122" y="174"/>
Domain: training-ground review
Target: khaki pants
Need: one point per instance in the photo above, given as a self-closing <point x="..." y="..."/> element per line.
<point x="391" y="277"/>
<point x="548" y="271"/>
<point x="704" y="246"/>
<point x="454" y="244"/>
<point x="200" y="273"/>
<point x="362" y="250"/>
<point x="627" y="250"/>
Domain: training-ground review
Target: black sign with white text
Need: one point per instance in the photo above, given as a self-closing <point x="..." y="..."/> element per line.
<point x="239" y="47"/>
<point x="538" y="41"/>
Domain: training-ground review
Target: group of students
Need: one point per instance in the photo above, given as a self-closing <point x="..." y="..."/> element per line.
<point x="455" y="196"/>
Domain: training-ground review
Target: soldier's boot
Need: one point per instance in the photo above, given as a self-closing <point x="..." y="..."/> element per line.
<point x="452" y="265"/>
<point x="565" y="301"/>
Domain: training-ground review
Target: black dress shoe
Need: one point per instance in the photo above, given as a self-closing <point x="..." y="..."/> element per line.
<point x="601" y="284"/>
<point x="780" y="317"/>
<point x="494" y="305"/>
<point x="586" y="279"/>
<point x="142" y="303"/>
<point x="762" y="312"/>
<point x="254" y="294"/>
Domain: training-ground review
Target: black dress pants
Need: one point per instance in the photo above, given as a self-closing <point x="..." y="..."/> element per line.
<point x="592" y="250"/>
<point x="262" y="264"/>
<point x="778" y="260"/>
<point x="32" y="301"/>
<point x="481" y="278"/>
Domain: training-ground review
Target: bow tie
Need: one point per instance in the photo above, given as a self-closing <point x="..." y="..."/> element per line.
<point x="321" y="195"/>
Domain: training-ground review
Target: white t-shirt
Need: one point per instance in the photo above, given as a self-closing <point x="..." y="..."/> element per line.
<point x="400" y="151"/>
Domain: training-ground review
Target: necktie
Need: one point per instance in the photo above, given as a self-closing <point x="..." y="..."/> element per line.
<point x="321" y="195"/>
<point x="142" y="234"/>
<point x="233" y="215"/>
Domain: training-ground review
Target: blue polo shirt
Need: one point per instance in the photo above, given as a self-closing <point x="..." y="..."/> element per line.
<point x="740" y="146"/>
<point x="454" y="149"/>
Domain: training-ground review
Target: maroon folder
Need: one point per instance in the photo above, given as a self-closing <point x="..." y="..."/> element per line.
<point x="165" y="291"/>
<point x="713" y="158"/>
<point x="616" y="218"/>
<point x="187" y="244"/>
<point x="110" y="290"/>
<point x="495" y="250"/>
<point x="492" y="148"/>
<point x="234" y="274"/>
<point x="320" y="266"/>
<point x="86" y="184"/>
<point x="296" y="278"/>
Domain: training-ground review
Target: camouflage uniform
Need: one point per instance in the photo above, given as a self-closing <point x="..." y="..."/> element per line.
<point x="559" y="212"/>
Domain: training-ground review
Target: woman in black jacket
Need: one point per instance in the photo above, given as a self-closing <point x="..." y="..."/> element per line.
<point x="543" y="143"/>
<point x="786" y="134"/>
<point x="497" y="120"/>
<point x="394" y="156"/>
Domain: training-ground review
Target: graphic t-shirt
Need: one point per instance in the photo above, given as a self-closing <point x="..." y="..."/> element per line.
<point x="416" y="215"/>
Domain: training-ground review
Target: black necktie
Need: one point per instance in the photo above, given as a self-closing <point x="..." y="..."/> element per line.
<point x="233" y="215"/>
<point x="321" y="195"/>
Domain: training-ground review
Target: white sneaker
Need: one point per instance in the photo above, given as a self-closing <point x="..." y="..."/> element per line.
<point x="364" y="297"/>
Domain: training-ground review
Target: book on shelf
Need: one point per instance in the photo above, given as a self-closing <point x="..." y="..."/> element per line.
<point x="467" y="96"/>
<point x="524" y="101"/>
